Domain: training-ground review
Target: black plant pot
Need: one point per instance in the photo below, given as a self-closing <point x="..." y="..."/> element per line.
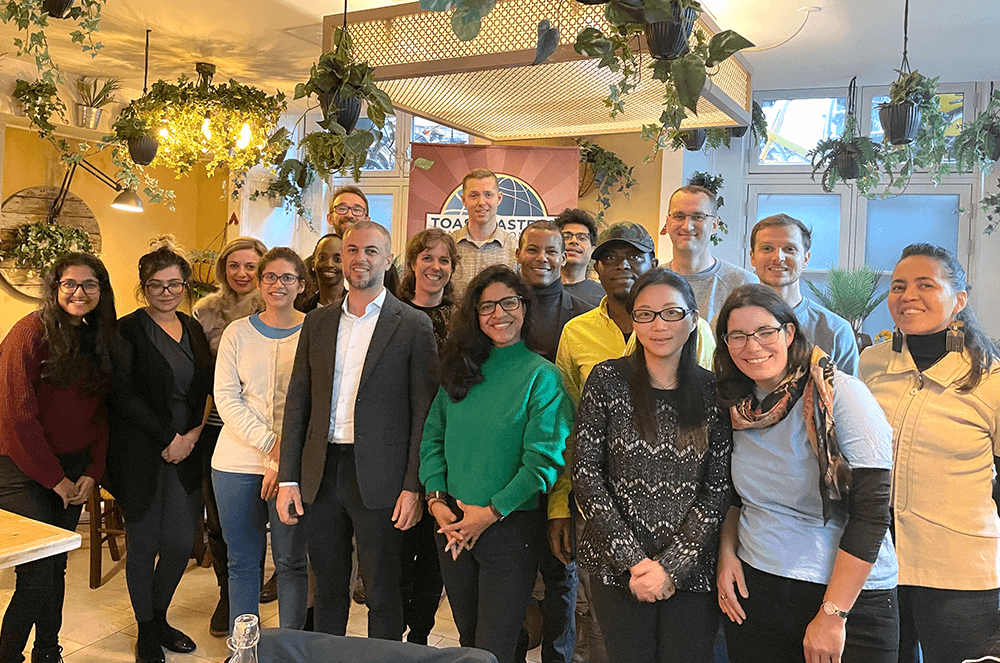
<point x="901" y="122"/>
<point x="592" y="2"/>
<point x="738" y="132"/>
<point x="143" y="150"/>
<point x="348" y="110"/>
<point x="992" y="141"/>
<point x="694" y="139"/>
<point x="847" y="165"/>
<point x="57" y="8"/>
<point x="668" y="40"/>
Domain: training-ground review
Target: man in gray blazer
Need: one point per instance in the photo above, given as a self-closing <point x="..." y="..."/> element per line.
<point x="363" y="380"/>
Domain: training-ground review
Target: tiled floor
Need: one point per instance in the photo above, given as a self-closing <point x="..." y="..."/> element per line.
<point x="99" y="627"/>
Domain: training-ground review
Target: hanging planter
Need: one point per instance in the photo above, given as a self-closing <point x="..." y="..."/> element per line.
<point x="694" y="139"/>
<point x="978" y="144"/>
<point x="668" y="39"/>
<point x="348" y="110"/>
<point x="57" y="8"/>
<point x="738" y="132"/>
<point x="846" y="163"/>
<point x="592" y="2"/>
<point x="143" y="149"/>
<point x="901" y="122"/>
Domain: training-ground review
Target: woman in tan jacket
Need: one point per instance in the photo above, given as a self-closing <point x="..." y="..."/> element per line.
<point x="939" y="385"/>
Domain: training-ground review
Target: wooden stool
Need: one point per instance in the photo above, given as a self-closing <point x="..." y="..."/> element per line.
<point x="106" y="524"/>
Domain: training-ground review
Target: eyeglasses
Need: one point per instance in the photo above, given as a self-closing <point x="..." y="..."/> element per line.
<point x="487" y="307"/>
<point x="155" y="288"/>
<point x="69" y="286"/>
<point x="614" y="257"/>
<point x="354" y="210"/>
<point x="286" y="279"/>
<point x="583" y="238"/>
<point x="697" y="217"/>
<point x="763" y="336"/>
<point x="672" y="314"/>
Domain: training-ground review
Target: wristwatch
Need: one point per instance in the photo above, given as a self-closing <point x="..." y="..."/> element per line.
<point x="436" y="495"/>
<point x="830" y="608"/>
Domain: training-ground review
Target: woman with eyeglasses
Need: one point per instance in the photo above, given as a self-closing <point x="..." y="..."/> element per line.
<point x="651" y="476"/>
<point x="807" y="570"/>
<point x="154" y="462"/>
<point x="57" y="366"/>
<point x="938" y="381"/>
<point x="493" y="441"/>
<point x="236" y="298"/>
<point x="251" y="381"/>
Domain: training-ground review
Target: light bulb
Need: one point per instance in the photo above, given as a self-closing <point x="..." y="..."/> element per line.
<point x="164" y="133"/>
<point x="244" y="140"/>
<point x="206" y="130"/>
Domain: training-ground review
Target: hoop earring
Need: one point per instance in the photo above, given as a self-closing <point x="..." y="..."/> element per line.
<point x="954" y="340"/>
<point x="897" y="340"/>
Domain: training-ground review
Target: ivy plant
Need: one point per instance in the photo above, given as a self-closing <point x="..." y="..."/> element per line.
<point x="289" y="182"/>
<point x="831" y="155"/>
<point x="978" y="143"/>
<point x="607" y="172"/>
<point x="714" y="184"/>
<point x="929" y="149"/>
<point x="40" y="101"/>
<point x="36" y="246"/>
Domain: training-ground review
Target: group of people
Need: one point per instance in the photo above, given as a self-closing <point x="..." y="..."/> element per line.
<point x="652" y="449"/>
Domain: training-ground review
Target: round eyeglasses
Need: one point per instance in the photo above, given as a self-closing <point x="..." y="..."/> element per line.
<point x="69" y="286"/>
<point x="672" y="314"/>
<point x="487" y="307"/>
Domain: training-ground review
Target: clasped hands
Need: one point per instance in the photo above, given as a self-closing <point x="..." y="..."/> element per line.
<point x="74" y="493"/>
<point x="650" y="582"/>
<point x="180" y="447"/>
<point x="461" y="534"/>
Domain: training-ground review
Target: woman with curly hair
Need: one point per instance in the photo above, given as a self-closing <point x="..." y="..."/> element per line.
<point x="237" y="297"/>
<point x="493" y="442"/>
<point x="154" y="462"/>
<point x="57" y="367"/>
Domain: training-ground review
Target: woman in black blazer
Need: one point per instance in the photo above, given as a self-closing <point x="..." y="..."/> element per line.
<point x="154" y="465"/>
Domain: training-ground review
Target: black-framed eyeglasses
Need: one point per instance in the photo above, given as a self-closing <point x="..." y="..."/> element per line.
<point x="155" y="288"/>
<point x="286" y="279"/>
<point x="697" y="217"/>
<point x="353" y="210"/>
<point x="487" y="307"/>
<point x="763" y="336"/>
<point x="612" y="258"/>
<point x="582" y="238"/>
<point x="671" y="314"/>
<point x="90" y="287"/>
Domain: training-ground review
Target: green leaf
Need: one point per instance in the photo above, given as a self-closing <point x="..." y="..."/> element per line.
<point x="422" y="163"/>
<point x="548" y="40"/>
<point x="465" y="25"/>
<point x="359" y="141"/>
<point x="436" y="5"/>
<point x="591" y="43"/>
<point x="723" y="45"/>
<point x="689" y="78"/>
<point x="622" y="12"/>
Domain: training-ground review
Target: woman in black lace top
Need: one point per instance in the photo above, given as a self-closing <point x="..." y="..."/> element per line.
<point x="651" y="476"/>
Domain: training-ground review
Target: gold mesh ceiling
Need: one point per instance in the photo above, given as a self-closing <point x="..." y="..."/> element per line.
<point x="487" y="86"/>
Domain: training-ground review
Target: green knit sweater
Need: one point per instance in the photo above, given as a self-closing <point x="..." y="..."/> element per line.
<point x="503" y="443"/>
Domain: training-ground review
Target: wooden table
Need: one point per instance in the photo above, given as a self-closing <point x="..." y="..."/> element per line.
<point x="25" y="540"/>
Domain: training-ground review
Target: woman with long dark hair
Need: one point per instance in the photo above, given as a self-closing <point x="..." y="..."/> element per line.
<point x="493" y="441"/>
<point x="431" y="256"/>
<point x="236" y="298"/>
<point x="57" y="366"/>
<point x="938" y="382"/>
<point x="154" y="461"/>
<point x="651" y="476"/>
<point x="807" y="570"/>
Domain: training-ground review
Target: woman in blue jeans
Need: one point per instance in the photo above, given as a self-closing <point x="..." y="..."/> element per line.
<point x="807" y="570"/>
<point x="251" y="380"/>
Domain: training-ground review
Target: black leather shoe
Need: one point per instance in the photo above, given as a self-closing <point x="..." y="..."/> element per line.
<point x="53" y="655"/>
<point x="173" y="640"/>
<point x="219" y="626"/>
<point x="269" y="592"/>
<point x="147" y="647"/>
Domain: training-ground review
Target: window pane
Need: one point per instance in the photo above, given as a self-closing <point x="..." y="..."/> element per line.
<point x="381" y="155"/>
<point x="951" y="104"/>
<point x="427" y="131"/>
<point x="897" y="222"/>
<point x="380" y="209"/>
<point x="795" y="126"/>
<point x="821" y="212"/>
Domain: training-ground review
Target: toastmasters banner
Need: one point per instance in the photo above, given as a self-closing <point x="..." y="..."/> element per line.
<point x="536" y="183"/>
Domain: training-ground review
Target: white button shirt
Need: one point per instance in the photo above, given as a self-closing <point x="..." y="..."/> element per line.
<point x="354" y="335"/>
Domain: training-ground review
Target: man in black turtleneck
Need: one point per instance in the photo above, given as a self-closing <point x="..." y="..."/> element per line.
<point x="541" y="253"/>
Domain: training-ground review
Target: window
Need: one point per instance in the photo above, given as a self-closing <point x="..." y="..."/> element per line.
<point x="382" y="154"/>
<point x="796" y="122"/>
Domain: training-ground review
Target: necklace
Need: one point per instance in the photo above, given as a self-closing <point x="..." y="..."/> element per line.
<point x="657" y="385"/>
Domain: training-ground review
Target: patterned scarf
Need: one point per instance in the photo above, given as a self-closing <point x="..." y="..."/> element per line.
<point x="815" y="387"/>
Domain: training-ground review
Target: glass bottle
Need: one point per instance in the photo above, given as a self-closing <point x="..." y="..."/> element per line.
<point x="243" y="643"/>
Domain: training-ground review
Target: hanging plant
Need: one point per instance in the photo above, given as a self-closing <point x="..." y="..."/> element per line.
<point x="339" y="83"/>
<point x="36" y="246"/>
<point x="991" y="205"/>
<point x="607" y="171"/>
<point x="289" y="182"/>
<point x="978" y="143"/>
<point x="40" y="101"/>
<point x="714" y="184"/>
<point x="758" y="124"/>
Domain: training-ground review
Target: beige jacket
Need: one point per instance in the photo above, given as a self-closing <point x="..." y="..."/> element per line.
<point x="947" y="529"/>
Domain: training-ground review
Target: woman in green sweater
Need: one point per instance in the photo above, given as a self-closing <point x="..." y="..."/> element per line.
<point x="493" y="441"/>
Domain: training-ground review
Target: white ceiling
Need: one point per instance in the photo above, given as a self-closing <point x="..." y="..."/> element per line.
<point x="272" y="43"/>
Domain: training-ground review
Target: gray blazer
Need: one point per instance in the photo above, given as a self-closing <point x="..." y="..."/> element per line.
<point x="398" y="382"/>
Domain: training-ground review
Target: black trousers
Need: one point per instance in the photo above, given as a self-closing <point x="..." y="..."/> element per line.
<point x="680" y="629"/>
<point x="489" y="587"/>
<point x="217" y="544"/>
<point x="40" y="585"/>
<point x="779" y="610"/>
<point x="951" y="625"/>
<point x="338" y="513"/>
<point x="421" y="581"/>
<point x="159" y="544"/>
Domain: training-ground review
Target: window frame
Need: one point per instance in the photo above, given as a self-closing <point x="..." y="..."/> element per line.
<point x="755" y="168"/>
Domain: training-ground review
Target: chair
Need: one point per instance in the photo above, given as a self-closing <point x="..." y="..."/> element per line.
<point x="106" y="525"/>
<point x="288" y="646"/>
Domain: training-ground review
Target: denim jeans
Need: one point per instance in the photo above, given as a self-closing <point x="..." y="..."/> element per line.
<point x="779" y="610"/>
<point x="244" y="518"/>
<point x="951" y="625"/>
<point x="558" y="606"/>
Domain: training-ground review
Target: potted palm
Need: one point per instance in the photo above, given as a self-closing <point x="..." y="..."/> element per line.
<point x="93" y="98"/>
<point x="853" y="295"/>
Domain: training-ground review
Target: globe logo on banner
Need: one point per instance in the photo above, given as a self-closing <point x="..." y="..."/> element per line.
<point x="520" y="206"/>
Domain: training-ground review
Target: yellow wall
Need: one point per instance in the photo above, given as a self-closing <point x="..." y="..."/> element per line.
<point x="199" y="214"/>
